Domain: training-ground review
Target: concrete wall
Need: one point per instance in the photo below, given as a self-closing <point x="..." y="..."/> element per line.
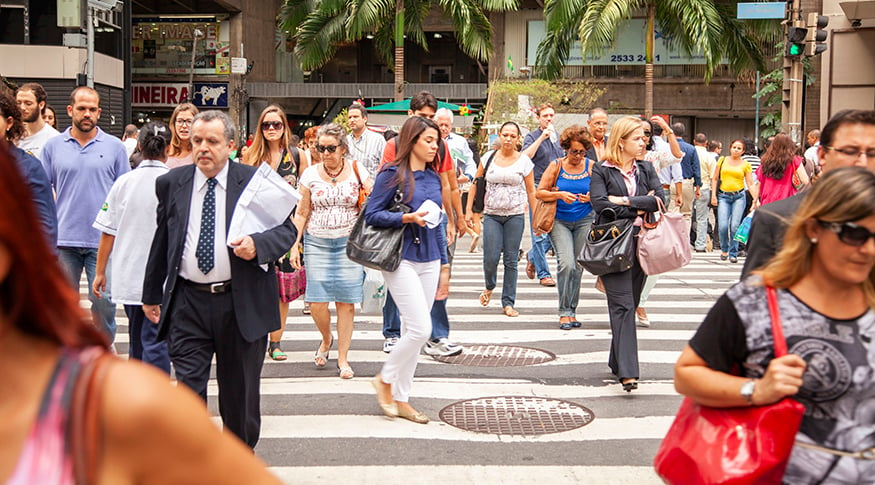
<point x="57" y="62"/>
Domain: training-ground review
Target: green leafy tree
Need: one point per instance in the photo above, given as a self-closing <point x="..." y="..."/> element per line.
<point x="566" y="96"/>
<point x="320" y="26"/>
<point x="771" y="93"/>
<point x="708" y="27"/>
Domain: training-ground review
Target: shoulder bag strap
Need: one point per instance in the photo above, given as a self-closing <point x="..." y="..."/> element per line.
<point x="558" y="163"/>
<point x="86" y="433"/>
<point x="775" y="317"/>
<point x="488" y="162"/>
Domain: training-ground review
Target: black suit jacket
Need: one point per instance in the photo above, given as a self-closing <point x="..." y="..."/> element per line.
<point x="767" y="231"/>
<point x="609" y="181"/>
<point x="590" y="153"/>
<point x="254" y="290"/>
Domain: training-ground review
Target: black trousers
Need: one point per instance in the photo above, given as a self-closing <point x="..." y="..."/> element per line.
<point x="203" y="324"/>
<point x="624" y="292"/>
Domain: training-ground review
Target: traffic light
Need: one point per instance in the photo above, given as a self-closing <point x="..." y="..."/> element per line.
<point x="796" y="35"/>
<point x="815" y="38"/>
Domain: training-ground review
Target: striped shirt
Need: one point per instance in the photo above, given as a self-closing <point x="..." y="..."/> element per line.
<point x="368" y="149"/>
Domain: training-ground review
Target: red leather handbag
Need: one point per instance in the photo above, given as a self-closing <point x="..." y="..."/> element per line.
<point x="746" y="445"/>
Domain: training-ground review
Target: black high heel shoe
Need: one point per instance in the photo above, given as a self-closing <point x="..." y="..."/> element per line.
<point x="630" y="385"/>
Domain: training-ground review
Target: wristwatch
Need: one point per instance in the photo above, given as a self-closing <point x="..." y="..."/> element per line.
<point x="669" y="132"/>
<point x="625" y="200"/>
<point x="747" y="391"/>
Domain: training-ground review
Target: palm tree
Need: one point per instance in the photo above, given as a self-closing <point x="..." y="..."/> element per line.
<point x="320" y="26"/>
<point x="708" y="27"/>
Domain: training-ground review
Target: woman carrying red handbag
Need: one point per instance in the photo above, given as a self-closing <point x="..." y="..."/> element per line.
<point x="825" y="295"/>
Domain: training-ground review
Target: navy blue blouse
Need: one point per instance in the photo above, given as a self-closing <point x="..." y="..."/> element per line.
<point x="421" y="244"/>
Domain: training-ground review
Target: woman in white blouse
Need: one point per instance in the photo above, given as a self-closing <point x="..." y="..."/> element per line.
<point x="510" y="190"/>
<point x="326" y="213"/>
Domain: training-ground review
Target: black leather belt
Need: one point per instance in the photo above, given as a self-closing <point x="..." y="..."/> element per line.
<point x="220" y="287"/>
<point x="736" y="192"/>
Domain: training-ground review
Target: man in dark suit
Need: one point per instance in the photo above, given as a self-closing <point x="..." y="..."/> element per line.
<point x="215" y="300"/>
<point x="843" y="140"/>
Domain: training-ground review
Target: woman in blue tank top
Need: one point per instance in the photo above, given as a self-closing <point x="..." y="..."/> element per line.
<point x="573" y="215"/>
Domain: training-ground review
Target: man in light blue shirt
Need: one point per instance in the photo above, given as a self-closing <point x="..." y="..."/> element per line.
<point x="82" y="164"/>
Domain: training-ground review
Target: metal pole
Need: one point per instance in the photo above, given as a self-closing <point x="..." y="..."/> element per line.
<point x="191" y="71"/>
<point x="89" y="33"/>
<point x="756" y="129"/>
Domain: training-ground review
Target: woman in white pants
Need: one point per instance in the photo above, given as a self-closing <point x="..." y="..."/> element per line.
<point x="413" y="285"/>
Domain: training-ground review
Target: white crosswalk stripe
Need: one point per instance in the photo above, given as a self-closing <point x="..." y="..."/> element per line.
<point x="317" y="428"/>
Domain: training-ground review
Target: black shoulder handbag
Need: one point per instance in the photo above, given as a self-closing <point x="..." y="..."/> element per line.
<point x="609" y="245"/>
<point x="480" y="183"/>
<point x="377" y="247"/>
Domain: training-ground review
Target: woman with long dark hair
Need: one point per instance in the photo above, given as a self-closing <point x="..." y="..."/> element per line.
<point x="271" y="145"/>
<point x="151" y="431"/>
<point x="414" y="284"/>
<point x="629" y="187"/>
<point x="731" y="176"/>
<point x="776" y="172"/>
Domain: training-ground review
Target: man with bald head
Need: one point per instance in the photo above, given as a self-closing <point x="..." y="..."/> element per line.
<point x="847" y="139"/>
<point x="597" y="124"/>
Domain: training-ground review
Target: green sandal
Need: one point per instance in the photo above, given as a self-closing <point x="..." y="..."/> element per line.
<point x="275" y="352"/>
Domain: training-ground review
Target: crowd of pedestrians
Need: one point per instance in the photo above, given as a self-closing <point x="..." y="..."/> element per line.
<point x="155" y="239"/>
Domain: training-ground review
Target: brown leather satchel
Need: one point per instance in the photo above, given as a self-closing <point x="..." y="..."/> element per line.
<point x="544" y="214"/>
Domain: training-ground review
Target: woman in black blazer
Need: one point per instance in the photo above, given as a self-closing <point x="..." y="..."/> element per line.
<point x="628" y="186"/>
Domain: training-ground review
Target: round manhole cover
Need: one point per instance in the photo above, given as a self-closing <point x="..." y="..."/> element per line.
<point x="499" y="356"/>
<point x="516" y="415"/>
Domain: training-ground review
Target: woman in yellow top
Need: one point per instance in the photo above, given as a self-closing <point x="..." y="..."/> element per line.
<point x="731" y="173"/>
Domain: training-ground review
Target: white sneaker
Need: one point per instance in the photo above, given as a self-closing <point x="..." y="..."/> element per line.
<point x="389" y="344"/>
<point x="442" y="348"/>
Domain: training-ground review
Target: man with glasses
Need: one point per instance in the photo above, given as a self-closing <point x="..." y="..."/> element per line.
<point x="598" y="128"/>
<point x="847" y="139"/>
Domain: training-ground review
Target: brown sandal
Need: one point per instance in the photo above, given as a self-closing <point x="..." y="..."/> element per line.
<point x="485" y="296"/>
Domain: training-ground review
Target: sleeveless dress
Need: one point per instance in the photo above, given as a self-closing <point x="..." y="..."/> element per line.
<point x="46" y="457"/>
<point x="291" y="283"/>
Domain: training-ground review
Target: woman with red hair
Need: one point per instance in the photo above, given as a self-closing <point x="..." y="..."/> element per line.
<point x="151" y="431"/>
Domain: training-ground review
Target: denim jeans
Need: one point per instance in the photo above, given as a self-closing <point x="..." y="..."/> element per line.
<point x="568" y="239"/>
<point x="730" y="211"/>
<point x="440" y="320"/>
<point x="145" y="345"/>
<point x="502" y="235"/>
<point x="701" y="209"/>
<point x="537" y="255"/>
<point x="102" y="309"/>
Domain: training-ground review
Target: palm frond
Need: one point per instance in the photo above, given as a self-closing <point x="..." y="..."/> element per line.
<point x="293" y="12"/>
<point x="317" y="39"/>
<point x="601" y="21"/>
<point x="473" y="31"/>
<point x="694" y="26"/>
<point x="366" y="16"/>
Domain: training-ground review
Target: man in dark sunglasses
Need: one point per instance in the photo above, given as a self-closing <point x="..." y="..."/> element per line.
<point x="847" y="139"/>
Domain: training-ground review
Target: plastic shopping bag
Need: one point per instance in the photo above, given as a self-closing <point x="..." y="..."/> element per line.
<point x="373" y="291"/>
<point x="744" y="229"/>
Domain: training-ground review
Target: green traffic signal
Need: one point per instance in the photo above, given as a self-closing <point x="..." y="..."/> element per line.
<point x="796" y="41"/>
<point x="795" y="49"/>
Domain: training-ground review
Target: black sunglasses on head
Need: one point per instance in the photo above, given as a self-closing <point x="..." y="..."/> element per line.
<point x="849" y="233"/>
<point x="326" y="148"/>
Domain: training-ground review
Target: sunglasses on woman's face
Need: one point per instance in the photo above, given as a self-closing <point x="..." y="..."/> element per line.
<point x="849" y="233"/>
<point x="272" y="125"/>
<point x="326" y="148"/>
